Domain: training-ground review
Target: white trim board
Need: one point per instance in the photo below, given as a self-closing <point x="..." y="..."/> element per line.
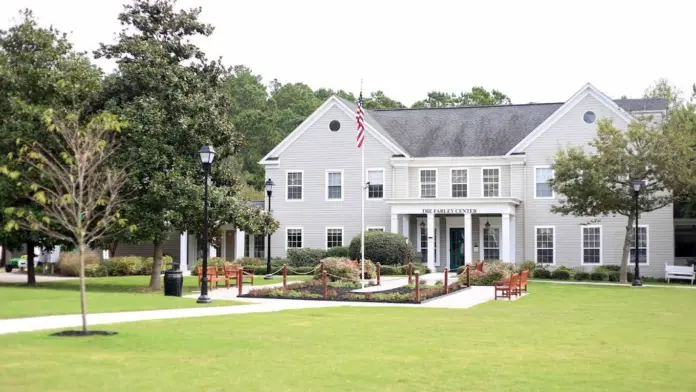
<point x="587" y="89"/>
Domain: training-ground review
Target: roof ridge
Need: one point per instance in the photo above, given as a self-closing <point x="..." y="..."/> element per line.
<point x="471" y="107"/>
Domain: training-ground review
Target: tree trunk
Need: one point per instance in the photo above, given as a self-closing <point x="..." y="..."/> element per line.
<point x="3" y="256"/>
<point x="626" y="249"/>
<point x="112" y="249"/>
<point x="31" y="274"/>
<point x="155" y="279"/>
<point x="83" y="289"/>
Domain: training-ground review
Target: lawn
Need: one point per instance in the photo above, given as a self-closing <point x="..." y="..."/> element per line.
<point x="559" y="338"/>
<point x="111" y="294"/>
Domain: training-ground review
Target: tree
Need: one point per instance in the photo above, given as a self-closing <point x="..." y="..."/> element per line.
<point x="175" y="101"/>
<point x="38" y="70"/>
<point x="80" y="193"/>
<point x="595" y="184"/>
<point x="478" y="96"/>
<point x="378" y="100"/>
<point x="662" y="88"/>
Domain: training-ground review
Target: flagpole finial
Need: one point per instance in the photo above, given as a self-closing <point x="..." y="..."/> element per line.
<point x="361" y="85"/>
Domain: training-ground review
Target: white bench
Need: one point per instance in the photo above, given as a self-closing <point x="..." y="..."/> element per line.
<point x="679" y="272"/>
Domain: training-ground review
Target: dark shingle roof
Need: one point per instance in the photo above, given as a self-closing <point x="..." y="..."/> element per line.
<point x="472" y="131"/>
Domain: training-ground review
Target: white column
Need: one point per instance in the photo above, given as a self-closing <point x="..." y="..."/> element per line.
<point x="212" y="252"/>
<point x="431" y="241"/>
<point x="239" y="244"/>
<point x="513" y="239"/>
<point x="405" y="225"/>
<point x="505" y="238"/>
<point x="183" y="251"/>
<point x="223" y="244"/>
<point x="394" y="223"/>
<point x="468" y="240"/>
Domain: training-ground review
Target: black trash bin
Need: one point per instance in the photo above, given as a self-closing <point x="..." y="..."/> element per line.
<point x="173" y="283"/>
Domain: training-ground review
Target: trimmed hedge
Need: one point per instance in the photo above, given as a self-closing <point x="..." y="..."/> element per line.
<point x="251" y="261"/>
<point x="340" y="269"/>
<point x="337" y="251"/>
<point x="388" y="270"/>
<point x="69" y="262"/>
<point x="560" y="274"/>
<point x="492" y="271"/>
<point x="527" y="265"/>
<point x="581" y="275"/>
<point x="382" y="247"/>
<point x="598" y="276"/>
<point x="95" y="270"/>
<point x="542" y="273"/>
<point x="305" y="257"/>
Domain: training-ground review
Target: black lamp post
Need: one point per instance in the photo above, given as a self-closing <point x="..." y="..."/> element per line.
<point x="207" y="155"/>
<point x="637" y="186"/>
<point x="269" y="192"/>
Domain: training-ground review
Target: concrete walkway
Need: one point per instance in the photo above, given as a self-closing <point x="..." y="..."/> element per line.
<point x="459" y="300"/>
<point x="590" y="283"/>
<point x="21" y="277"/>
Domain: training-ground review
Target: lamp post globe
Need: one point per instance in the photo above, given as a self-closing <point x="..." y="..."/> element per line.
<point x="207" y="154"/>
<point x="636" y="187"/>
<point x="269" y="191"/>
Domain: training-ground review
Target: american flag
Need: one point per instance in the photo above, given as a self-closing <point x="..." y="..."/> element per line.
<point x="360" y="116"/>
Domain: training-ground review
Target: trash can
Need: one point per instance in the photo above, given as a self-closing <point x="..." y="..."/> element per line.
<point x="173" y="283"/>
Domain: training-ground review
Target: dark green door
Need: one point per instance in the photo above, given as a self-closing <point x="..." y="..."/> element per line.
<point x="456" y="248"/>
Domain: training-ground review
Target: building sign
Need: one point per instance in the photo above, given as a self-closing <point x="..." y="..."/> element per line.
<point x="449" y="211"/>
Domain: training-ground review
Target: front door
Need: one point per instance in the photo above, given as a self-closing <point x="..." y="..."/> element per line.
<point x="456" y="245"/>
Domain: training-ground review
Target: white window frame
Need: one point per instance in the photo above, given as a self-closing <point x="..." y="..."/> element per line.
<point x="647" y="245"/>
<point x="582" y="244"/>
<point x="500" y="180"/>
<point x="436" y="232"/>
<point x="375" y="228"/>
<point x="553" y="194"/>
<point x="384" y="183"/>
<point x="420" y="183"/>
<point x="468" y="189"/>
<point x="287" y="185"/>
<point x="301" y="229"/>
<point x="482" y="227"/>
<point x="326" y="181"/>
<point x="536" y="249"/>
<point x="326" y="235"/>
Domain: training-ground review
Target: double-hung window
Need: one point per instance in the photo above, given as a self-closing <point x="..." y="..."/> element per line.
<point x="490" y="178"/>
<point x="294" y="191"/>
<point x="259" y="246"/>
<point x="294" y="237"/>
<point x="591" y="244"/>
<point x="334" y="185"/>
<point x="460" y="182"/>
<point x="334" y="237"/>
<point x="491" y="243"/>
<point x="375" y="190"/>
<point x="542" y="175"/>
<point x="545" y="243"/>
<point x="642" y="245"/>
<point x="428" y="183"/>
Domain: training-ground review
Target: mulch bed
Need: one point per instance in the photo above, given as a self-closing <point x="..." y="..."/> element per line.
<point x="313" y="292"/>
<point x="82" y="333"/>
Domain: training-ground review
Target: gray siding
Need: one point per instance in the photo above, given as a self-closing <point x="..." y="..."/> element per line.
<point x="170" y="247"/>
<point x="571" y="130"/>
<point x="317" y="150"/>
<point x="444" y="180"/>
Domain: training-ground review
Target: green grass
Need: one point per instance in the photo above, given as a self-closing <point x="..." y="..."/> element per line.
<point x="559" y="338"/>
<point x="113" y="294"/>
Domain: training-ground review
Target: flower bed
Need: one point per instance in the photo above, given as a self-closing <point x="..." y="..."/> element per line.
<point x="343" y="291"/>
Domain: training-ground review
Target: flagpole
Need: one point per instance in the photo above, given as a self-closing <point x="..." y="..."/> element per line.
<point x="362" y="209"/>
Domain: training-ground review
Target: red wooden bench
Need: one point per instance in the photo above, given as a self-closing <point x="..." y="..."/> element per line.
<point x="230" y="271"/>
<point x="479" y="266"/>
<point x="523" y="282"/>
<point x="507" y="287"/>
<point x="212" y="276"/>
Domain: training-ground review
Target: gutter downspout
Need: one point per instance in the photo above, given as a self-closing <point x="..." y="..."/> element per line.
<point x="524" y="213"/>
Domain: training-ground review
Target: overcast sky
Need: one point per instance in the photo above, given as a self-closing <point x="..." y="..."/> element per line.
<point x="534" y="51"/>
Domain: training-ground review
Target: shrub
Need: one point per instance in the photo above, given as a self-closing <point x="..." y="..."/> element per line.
<point x="582" y="275"/>
<point x="305" y="257"/>
<point x="124" y="266"/>
<point x="598" y="275"/>
<point x="382" y="247"/>
<point x="616" y="268"/>
<point x="403" y="269"/>
<point x="338" y="251"/>
<point x="560" y="274"/>
<point x="148" y="261"/>
<point x="252" y="261"/>
<point x="542" y="273"/>
<point x="492" y="271"/>
<point x="528" y="265"/>
<point x="212" y="261"/>
<point x="340" y="268"/>
<point x="95" y="270"/>
<point x="69" y="262"/>
<point x="614" y="276"/>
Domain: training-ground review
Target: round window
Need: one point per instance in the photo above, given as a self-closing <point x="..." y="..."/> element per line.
<point x="589" y="117"/>
<point x="334" y="125"/>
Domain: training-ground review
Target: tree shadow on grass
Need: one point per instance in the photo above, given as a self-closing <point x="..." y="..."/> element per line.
<point x="127" y="284"/>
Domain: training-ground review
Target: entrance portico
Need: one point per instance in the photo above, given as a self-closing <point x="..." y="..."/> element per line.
<point x="486" y="224"/>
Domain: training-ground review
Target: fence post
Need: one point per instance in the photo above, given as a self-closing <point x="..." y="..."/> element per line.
<point x="417" y="287"/>
<point x="240" y="280"/>
<point x="321" y="270"/>
<point x="323" y="282"/>
<point x="446" y="280"/>
<point x="409" y="271"/>
<point x="285" y="276"/>
<point x="468" y="284"/>
<point x="379" y="273"/>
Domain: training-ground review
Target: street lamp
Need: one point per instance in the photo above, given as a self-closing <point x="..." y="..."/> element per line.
<point x="269" y="192"/>
<point x="637" y="185"/>
<point x="207" y="155"/>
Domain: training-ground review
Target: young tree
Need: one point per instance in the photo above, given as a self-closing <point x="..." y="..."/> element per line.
<point x="79" y="192"/>
<point x="38" y="70"/>
<point x="598" y="182"/>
